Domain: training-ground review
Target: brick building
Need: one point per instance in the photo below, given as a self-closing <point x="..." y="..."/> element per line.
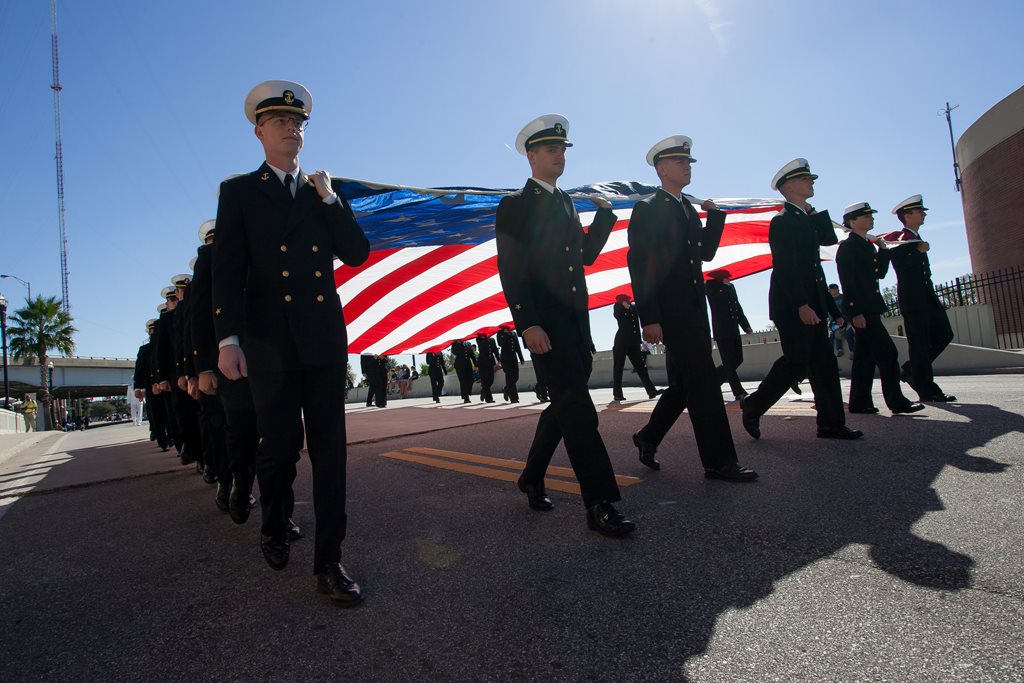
<point x="991" y="158"/>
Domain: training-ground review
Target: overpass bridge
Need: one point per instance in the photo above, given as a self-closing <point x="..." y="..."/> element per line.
<point x="74" y="377"/>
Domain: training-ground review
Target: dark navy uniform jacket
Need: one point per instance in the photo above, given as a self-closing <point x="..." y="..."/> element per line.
<point x="542" y="249"/>
<point x="667" y="250"/>
<point x="273" y="270"/>
<point x="860" y="267"/>
<point x="797" y="278"/>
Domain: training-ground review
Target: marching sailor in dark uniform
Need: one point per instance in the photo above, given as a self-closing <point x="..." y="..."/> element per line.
<point x="542" y="249"/>
<point x="799" y="304"/>
<point x="485" y="362"/>
<point x="667" y="248"/>
<point x="860" y="267"/>
<point x="511" y="357"/>
<point x="436" y="371"/>
<point x="279" y="322"/>
<point x="726" y="319"/>
<point x="185" y="407"/>
<point x="163" y="369"/>
<point x="627" y="345"/>
<point x="464" y="362"/>
<point x="928" y="328"/>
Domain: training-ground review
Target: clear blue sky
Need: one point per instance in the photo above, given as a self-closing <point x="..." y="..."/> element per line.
<point x="434" y="93"/>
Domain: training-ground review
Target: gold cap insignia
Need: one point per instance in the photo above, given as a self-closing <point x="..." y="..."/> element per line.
<point x="559" y="129"/>
<point x="289" y="97"/>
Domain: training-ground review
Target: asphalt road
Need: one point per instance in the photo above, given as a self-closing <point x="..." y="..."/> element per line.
<point x="894" y="558"/>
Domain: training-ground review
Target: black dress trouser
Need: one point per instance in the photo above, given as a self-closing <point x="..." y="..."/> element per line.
<point x="731" y="351"/>
<point x="310" y="401"/>
<point x="875" y="347"/>
<point x="806" y="352"/>
<point x="928" y="335"/>
<point x="572" y="417"/>
<point x="693" y="386"/>
<point x="621" y="350"/>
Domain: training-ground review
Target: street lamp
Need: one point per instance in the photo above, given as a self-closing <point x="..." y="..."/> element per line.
<point x="50" y="394"/>
<point x="28" y="285"/>
<point x="3" y="332"/>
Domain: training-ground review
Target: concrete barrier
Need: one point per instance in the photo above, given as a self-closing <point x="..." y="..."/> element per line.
<point x="12" y="422"/>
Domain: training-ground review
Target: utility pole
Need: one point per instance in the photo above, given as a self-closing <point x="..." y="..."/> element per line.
<point x="949" y="122"/>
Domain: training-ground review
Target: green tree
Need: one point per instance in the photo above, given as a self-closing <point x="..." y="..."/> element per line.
<point x="42" y="326"/>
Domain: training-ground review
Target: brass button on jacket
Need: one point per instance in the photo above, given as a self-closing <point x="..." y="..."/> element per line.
<point x="287" y="297"/>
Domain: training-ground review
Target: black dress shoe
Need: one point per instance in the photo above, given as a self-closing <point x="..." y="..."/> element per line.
<point x="751" y="422"/>
<point x="866" y="411"/>
<point x="939" y="398"/>
<point x="465" y="400"/>
<point x="909" y="408"/>
<point x="223" y="495"/>
<point x="618" y="398"/>
<point x="843" y="432"/>
<point x="647" y="451"/>
<point x="334" y="582"/>
<point x="209" y="476"/>
<point x="536" y="496"/>
<point x="605" y="519"/>
<point x="740" y="396"/>
<point x="275" y="551"/>
<point x="656" y="393"/>
<point x="294" y="532"/>
<point x="730" y="472"/>
<point x="239" y="502"/>
<point x="795" y="386"/>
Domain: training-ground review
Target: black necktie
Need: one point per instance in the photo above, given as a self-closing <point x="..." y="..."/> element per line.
<point x="288" y="180"/>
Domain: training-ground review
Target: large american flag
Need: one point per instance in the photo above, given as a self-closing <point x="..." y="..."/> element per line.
<point x="432" y="274"/>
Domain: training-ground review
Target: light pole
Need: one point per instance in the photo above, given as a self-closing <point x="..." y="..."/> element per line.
<point x="52" y="412"/>
<point x="3" y="332"/>
<point x="28" y="285"/>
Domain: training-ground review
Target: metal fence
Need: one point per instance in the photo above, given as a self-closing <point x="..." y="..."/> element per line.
<point x="1002" y="289"/>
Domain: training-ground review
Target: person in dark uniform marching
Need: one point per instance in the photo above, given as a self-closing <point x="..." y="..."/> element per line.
<point x="464" y="362"/>
<point x="798" y="303"/>
<point x="667" y="249"/>
<point x="486" y="362"/>
<point x="185" y="406"/>
<point x="142" y="383"/>
<point x="436" y="371"/>
<point x="727" y="318"/>
<point x="279" y="322"/>
<point x="511" y="357"/>
<point x="163" y="369"/>
<point x="627" y="344"/>
<point x="928" y="328"/>
<point x="860" y="266"/>
<point x="542" y="249"/>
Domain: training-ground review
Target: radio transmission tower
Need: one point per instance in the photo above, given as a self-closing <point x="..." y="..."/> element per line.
<point x="60" y="158"/>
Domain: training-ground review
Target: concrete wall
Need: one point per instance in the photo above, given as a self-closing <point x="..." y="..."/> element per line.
<point x="11" y="422"/>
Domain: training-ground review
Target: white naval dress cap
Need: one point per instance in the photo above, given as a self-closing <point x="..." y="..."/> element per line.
<point x="167" y="292"/>
<point x="856" y="210"/>
<point x="794" y="169"/>
<point x="205" y="229"/>
<point x="192" y="263"/>
<point x="914" y="201"/>
<point x="278" y="96"/>
<point x="181" y="279"/>
<point x="547" y="129"/>
<point x="674" y="146"/>
<point x="161" y="308"/>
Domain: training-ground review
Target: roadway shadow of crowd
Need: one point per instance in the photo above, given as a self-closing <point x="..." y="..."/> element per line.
<point x="464" y="582"/>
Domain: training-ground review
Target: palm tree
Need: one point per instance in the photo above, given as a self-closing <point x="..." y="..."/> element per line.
<point x="43" y="325"/>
